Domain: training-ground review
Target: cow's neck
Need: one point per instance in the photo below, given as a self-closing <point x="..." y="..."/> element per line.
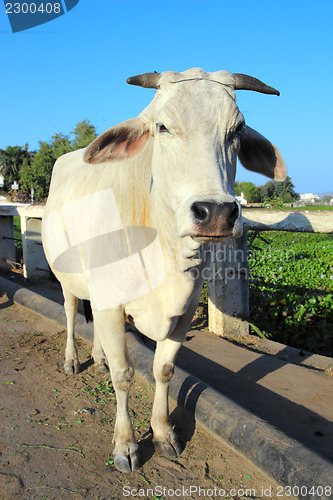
<point x="141" y="205"/>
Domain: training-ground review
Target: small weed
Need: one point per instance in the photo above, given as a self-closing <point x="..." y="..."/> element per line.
<point x="143" y="477"/>
<point x="53" y="448"/>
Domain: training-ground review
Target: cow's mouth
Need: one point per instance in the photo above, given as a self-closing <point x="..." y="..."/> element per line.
<point x="214" y="238"/>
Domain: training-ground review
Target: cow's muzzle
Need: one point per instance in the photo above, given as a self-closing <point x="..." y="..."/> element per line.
<point x="214" y="220"/>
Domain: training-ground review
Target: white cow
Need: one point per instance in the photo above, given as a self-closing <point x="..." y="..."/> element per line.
<point x="127" y="216"/>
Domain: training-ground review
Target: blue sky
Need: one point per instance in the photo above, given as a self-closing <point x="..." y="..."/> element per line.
<point x="75" y="67"/>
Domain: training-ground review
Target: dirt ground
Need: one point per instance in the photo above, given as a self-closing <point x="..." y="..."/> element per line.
<point x="56" y="430"/>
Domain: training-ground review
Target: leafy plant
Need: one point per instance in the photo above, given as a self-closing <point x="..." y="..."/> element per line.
<point x="274" y="202"/>
<point x="291" y="289"/>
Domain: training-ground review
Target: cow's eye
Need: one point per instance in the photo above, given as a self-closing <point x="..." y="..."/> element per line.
<point x="235" y="133"/>
<point x="239" y="128"/>
<point x="161" y="128"/>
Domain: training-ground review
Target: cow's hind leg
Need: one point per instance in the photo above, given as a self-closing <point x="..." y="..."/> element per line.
<point x="97" y="350"/>
<point x="71" y="364"/>
<point x="110" y="329"/>
<point x="165" y="439"/>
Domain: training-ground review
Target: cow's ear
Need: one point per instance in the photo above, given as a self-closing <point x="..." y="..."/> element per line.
<point x="260" y="155"/>
<point x="125" y="140"/>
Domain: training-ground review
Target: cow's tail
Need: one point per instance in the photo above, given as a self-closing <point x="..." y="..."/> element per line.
<point x="87" y="311"/>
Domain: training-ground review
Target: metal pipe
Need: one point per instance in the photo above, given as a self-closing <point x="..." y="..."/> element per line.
<point x="11" y="238"/>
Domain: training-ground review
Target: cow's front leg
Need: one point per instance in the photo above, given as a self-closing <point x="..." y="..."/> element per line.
<point x="110" y="329"/>
<point x="99" y="356"/>
<point x="165" y="439"/>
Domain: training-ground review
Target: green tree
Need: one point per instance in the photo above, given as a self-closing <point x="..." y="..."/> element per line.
<point x="37" y="173"/>
<point x="251" y="191"/>
<point x="286" y="191"/>
<point x="281" y="192"/>
<point x="237" y="189"/>
<point x="60" y="145"/>
<point x="268" y="191"/>
<point x="11" y="161"/>
<point x="84" y="133"/>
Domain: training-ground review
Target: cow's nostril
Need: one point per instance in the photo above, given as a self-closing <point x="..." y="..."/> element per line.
<point x="234" y="213"/>
<point x="201" y="212"/>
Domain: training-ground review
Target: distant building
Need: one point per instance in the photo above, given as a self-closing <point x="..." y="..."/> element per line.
<point x="241" y="199"/>
<point x="2" y="180"/>
<point x="309" y="197"/>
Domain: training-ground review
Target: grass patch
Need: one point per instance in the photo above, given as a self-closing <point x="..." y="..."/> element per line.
<point x="17" y="231"/>
<point x="310" y="207"/>
<point x="18" y="236"/>
<point x="297" y="209"/>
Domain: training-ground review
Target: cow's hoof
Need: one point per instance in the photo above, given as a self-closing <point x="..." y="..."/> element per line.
<point x="125" y="463"/>
<point x="168" y="449"/>
<point x="101" y="367"/>
<point x="72" y="367"/>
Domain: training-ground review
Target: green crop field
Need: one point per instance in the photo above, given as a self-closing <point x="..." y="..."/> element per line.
<point x="291" y="289"/>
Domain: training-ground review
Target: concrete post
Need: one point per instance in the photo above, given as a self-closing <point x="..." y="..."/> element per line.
<point x="34" y="262"/>
<point x="228" y="288"/>
<point x="7" y="242"/>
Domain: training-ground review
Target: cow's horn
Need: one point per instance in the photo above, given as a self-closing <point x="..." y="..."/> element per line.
<point x="245" y="82"/>
<point x="147" y="80"/>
